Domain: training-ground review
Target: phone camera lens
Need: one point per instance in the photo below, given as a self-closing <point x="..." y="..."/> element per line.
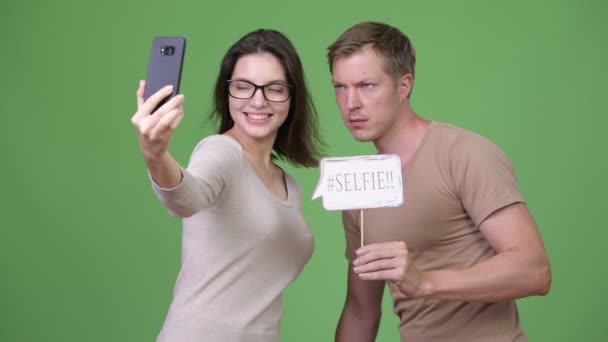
<point x="167" y="50"/>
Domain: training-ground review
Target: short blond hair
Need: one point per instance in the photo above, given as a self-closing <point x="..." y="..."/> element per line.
<point x="387" y="41"/>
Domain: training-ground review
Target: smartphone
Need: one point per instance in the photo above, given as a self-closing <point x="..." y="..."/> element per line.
<point x="165" y="66"/>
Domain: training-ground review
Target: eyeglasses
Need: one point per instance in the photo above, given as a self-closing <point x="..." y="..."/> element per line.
<point x="273" y="92"/>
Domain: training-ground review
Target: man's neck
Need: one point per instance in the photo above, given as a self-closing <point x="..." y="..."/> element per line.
<point x="404" y="137"/>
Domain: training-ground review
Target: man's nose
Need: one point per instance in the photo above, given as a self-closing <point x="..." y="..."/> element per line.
<point x="352" y="100"/>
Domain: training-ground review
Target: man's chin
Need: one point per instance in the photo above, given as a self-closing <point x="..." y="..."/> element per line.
<point x="361" y="137"/>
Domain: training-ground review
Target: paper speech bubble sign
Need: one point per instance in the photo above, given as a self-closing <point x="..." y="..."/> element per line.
<point x="360" y="182"/>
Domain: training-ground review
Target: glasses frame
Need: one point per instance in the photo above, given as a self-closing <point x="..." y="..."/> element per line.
<point x="262" y="87"/>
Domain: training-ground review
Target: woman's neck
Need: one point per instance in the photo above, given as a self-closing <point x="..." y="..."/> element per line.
<point x="257" y="151"/>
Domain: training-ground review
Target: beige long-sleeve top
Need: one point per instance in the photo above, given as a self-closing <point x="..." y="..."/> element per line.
<point x="241" y="247"/>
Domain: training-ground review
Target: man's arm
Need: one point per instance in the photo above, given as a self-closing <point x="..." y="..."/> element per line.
<point x="362" y="310"/>
<point x="520" y="267"/>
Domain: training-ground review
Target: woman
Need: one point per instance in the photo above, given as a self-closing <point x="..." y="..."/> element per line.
<point x="244" y="237"/>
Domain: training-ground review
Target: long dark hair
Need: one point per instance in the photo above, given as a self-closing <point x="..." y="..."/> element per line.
<point x="298" y="140"/>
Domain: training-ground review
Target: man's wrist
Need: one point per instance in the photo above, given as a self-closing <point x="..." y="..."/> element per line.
<point x="426" y="284"/>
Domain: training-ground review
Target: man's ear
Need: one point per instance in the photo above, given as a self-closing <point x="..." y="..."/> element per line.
<point x="405" y="84"/>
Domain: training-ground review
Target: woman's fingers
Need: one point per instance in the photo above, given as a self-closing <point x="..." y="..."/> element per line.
<point x="139" y="115"/>
<point x="173" y="103"/>
<point x="140" y="93"/>
<point x="152" y="102"/>
<point x="156" y="129"/>
<point x="167" y="124"/>
<point x="143" y="119"/>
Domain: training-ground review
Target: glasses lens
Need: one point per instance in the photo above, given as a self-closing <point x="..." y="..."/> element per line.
<point x="276" y="92"/>
<point x="241" y="89"/>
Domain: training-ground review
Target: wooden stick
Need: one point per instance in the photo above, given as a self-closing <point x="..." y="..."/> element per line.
<point x="361" y="224"/>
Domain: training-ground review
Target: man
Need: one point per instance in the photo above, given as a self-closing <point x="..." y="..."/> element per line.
<point x="463" y="246"/>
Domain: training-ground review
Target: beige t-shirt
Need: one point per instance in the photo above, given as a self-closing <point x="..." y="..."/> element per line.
<point x="241" y="247"/>
<point x="454" y="182"/>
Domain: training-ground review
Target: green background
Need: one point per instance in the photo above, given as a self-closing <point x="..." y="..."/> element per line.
<point x="87" y="253"/>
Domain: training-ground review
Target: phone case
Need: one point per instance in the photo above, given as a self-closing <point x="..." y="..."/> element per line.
<point x="165" y="66"/>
